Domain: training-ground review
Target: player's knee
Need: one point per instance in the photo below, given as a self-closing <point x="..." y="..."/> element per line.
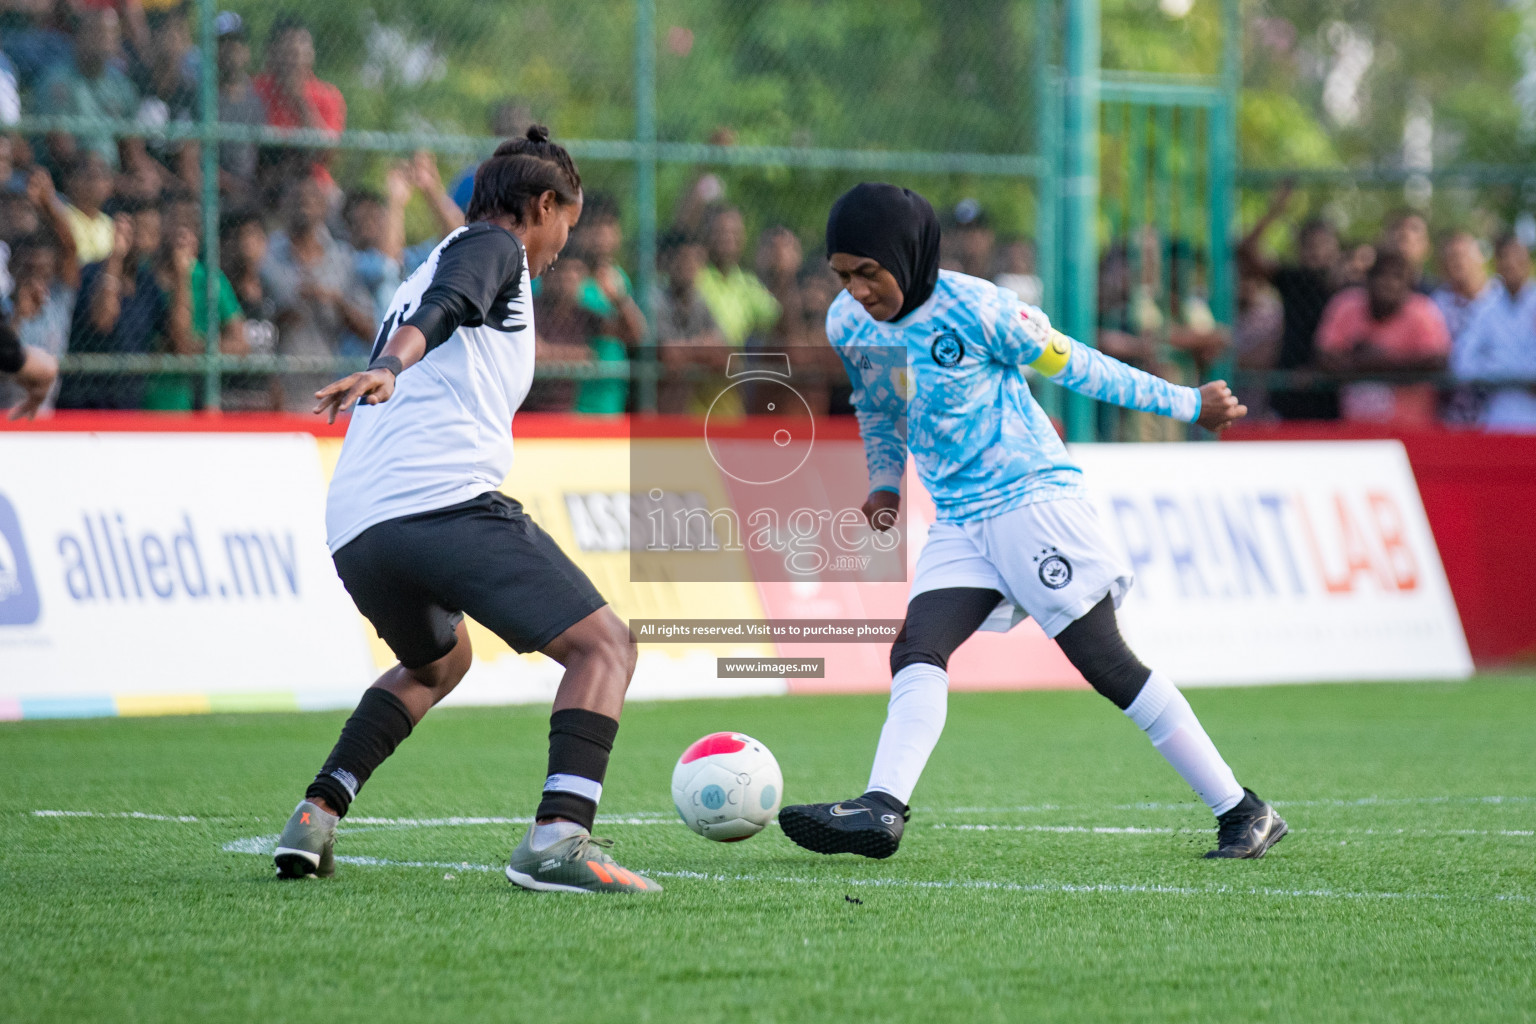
<point x="1095" y="648"/>
<point x="460" y="659"/>
<point x="630" y="651"/>
<point x="1118" y="676"/>
<point x="446" y="672"/>
<point x="1108" y="665"/>
<point x="613" y="646"/>
<point x="906" y="652"/>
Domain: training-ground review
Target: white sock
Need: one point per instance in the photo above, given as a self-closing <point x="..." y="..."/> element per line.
<point x="913" y="722"/>
<point x="545" y="836"/>
<point x="1170" y="723"/>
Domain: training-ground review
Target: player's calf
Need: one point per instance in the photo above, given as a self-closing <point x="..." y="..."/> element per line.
<point x="559" y="853"/>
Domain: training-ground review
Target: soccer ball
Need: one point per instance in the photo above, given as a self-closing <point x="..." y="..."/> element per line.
<point x="727" y="786"/>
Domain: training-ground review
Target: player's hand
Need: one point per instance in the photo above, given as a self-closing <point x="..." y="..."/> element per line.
<point x="1219" y="407"/>
<point x="880" y="510"/>
<point x="370" y="387"/>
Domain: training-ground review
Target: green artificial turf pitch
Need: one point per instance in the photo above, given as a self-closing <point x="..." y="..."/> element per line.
<point x="1050" y="871"/>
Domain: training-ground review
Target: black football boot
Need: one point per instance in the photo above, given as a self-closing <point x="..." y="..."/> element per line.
<point x="1247" y="830"/>
<point x="870" y="825"/>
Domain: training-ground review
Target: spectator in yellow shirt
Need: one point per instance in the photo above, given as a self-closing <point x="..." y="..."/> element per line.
<point x="88" y="185"/>
<point x="741" y="306"/>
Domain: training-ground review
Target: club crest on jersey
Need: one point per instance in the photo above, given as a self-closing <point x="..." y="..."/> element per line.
<point x="1055" y="571"/>
<point x="948" y="349"/>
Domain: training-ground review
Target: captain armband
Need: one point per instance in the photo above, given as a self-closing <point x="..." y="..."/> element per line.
<point x="1058" y="352"/>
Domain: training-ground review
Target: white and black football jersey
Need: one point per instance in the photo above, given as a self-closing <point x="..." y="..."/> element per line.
<point x="445" y="435"/>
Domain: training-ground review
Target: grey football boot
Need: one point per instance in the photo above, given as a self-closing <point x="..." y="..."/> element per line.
<point x="578" y="863"/>
<point x="307" y="845"/>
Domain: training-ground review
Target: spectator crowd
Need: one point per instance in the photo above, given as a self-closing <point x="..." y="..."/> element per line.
<point x="101" y="235"/>
<point x="1370" y="332"/>
<point x="101" y="253"/>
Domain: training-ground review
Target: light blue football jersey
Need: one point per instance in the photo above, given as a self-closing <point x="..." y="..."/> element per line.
<point x="948" y="384"/>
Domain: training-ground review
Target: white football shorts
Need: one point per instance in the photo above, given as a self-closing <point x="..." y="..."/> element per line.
<point x="1050" y="560"/>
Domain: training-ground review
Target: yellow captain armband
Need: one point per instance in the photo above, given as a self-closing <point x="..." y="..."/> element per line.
<point x="1058" y="351"/>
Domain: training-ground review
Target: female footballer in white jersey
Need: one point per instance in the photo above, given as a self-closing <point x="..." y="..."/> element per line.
<point x="421" y="535"/>
<point x="1015" y="535"/>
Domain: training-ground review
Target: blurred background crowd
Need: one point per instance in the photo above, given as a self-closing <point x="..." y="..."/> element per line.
<point x="102" y="252"/>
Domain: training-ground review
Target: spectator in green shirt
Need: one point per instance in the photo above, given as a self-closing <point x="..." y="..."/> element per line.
<point x="606" y="292"/>
<point x="741" y="306"/>
<point x="183" y="278"/>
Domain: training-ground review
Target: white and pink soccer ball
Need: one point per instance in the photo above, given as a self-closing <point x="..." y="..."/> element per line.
<point x="727" y="786"/>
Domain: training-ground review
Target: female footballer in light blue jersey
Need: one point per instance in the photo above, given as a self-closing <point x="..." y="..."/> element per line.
<point x="937" y="360"/>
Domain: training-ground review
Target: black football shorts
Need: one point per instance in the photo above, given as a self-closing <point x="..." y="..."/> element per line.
<point x="416" y="577"/>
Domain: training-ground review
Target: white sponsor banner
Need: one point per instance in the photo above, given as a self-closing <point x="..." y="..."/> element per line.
<point x="1277" y="562"/>
<point x="169" y="563"/>
<point x="196" y="564"/>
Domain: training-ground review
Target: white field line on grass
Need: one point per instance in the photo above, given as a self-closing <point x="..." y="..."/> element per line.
<point x="1129" y="830"/>
<point x="634" y="819"/>
<point x="266" y="843"/>
<point x="1092" y="887"/>
<point x="374" y="824"/>
<point x="394" y="824"/>
<point x="1364" y="801"/>
<point x="1102" y="830"/>
<point x="140" y="815"/>
<point x="263" y="845"/>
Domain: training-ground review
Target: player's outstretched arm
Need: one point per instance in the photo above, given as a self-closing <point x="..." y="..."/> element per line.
<point x="1090" y="372"/>
<point x="472" y="270"/>
<point x="376" y="384"/>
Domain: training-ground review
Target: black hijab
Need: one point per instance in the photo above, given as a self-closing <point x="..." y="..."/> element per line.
<point x="897" y="229"/>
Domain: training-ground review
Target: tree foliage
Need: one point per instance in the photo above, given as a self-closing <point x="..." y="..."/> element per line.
<point x="910" y="74"/>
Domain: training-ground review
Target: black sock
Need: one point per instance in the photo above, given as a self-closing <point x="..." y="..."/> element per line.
<point x="373" y="732"/>
<point x="579" y="744"/>
<point x="1248" y="805"/>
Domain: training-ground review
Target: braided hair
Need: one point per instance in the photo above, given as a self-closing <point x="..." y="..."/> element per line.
<point x="520" y="171"/>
